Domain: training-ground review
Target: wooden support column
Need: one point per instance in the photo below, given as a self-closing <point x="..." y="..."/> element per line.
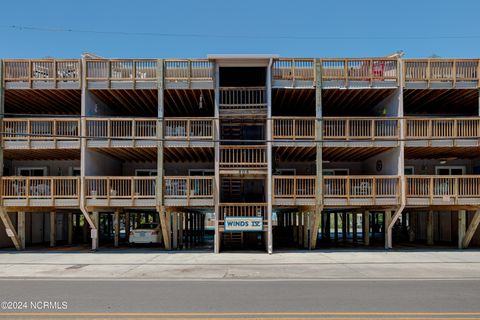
<point x="165" y="227"/>
<point x="127" y="225"/>
<point x="306" y="223"/>
<point x="430" y="228"/>
<point x="2" y="113"/>
<point x="319" y="145"/>
<point x="344" y="226"/>
<point x="366" y="227"/>
<point x="300" y="228"/>
<point x="116" y="226"/>
<point x="216" y="136"/>
<point x="96" y="222"/>
<point x="160" y="151"/>
<point x="181" y="227"/>
<point x="10" y="229"/>
<point x="70" y="228"/>
<point x="315" y="227"/>
<point x="462" y="226"/>
<point x="294" y="227"/>
<point x="269" y="160"/>
<point x="175" y="230"/>
<point x="387" y="220"/>
<point x="471" y="229"/>
<point x="21" y="228"/>
<point x="188" y="230"/>
<point x="53" y="229"/>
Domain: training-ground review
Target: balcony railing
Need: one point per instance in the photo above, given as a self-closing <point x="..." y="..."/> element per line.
<point x="242" y="210"/>
<point x="188" y="187"/>
<point x="441" y="70"/>
<point x="426" y="128"/>
<point x="294" y="128"/>
<point x="372" y="70"/>
<point x="39" y="130"/>
<point x="360" y="128"/>
<point x="293" y="69"/>
<point x="40" y="190"/>
<point x="188" y="70"/>
<point x="53" y="71"/>
<point x="241" y="157"/>
<point x="243" y="98"/>
<point x="122" y="128"/>
<point x="108" y="189"/>
<point x="121" y="69"/>
<point x="444" y="189"/>
<point x="364" y="189"/>
<point x="294" y="187"/>
<point x="186" y="129"/>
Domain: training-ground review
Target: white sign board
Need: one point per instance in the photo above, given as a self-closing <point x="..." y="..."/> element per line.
<point x="237" y="224"/>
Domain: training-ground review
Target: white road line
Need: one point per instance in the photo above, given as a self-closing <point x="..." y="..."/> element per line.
<point x="240" y="279"/>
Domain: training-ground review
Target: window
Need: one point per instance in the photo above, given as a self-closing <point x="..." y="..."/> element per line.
<point x="201" y="172"/>
<point x="449" y="170"/>
<point x="287" y="172"/>
<point x="75" y="171"/>
<point x="336" y="172"/>
<point x="145" y="172"/>
<point x="409" y="170"/>
<point x="32" y="171"/>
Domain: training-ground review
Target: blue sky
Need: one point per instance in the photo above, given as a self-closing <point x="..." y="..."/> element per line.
<point x="286" y="27"/>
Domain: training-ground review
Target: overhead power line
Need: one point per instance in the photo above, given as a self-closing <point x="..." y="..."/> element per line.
<point x="238" y="36"/>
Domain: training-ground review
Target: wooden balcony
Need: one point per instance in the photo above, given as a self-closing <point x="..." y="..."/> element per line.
<point x="293" y="131"/>
<point x="188" y="132"/>
<point x="293" y="73"/>
<point x="248" y="101"/>
<point x="294" y="190"/>
<point x="242" y="210"/>
<point x="442" y="132"/>
<point x="105" y="192"/>
<point x="23" y="192"/>
<point x="121" y="73"/>
<point x="340" y="191"/>
<point x="443" y="190"/>
<point x="188" y="74"/>
<point x="441" y="73"/>
<point x="188" y="191"/>
<point x="243" y="159"/>
<point x="40" y="133"/>
<point x="360" y="73"/>
<point x="121" y="132"/>
<point x="42" y="74"/>
<point x="361" y="132"/>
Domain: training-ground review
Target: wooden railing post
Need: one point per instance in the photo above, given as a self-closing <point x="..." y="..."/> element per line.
<point x="52" y="190"/>
<point x="428" y="73"/>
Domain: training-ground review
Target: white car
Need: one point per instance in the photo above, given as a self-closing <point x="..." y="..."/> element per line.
<point x="146" y="233"/>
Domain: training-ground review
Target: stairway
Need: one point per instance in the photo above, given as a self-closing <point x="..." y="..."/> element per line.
<point x="231" y="132"/>
<point x="232" y="239"/>
<point x="232" y="189"/>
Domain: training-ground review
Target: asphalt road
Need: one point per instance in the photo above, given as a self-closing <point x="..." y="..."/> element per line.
<point x="259" y="299"/>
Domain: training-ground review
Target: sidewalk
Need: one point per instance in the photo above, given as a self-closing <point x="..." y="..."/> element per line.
<point x="151" y="264"/>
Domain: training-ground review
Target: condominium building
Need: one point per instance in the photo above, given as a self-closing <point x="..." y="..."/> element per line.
<point x="241" y="151"/>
